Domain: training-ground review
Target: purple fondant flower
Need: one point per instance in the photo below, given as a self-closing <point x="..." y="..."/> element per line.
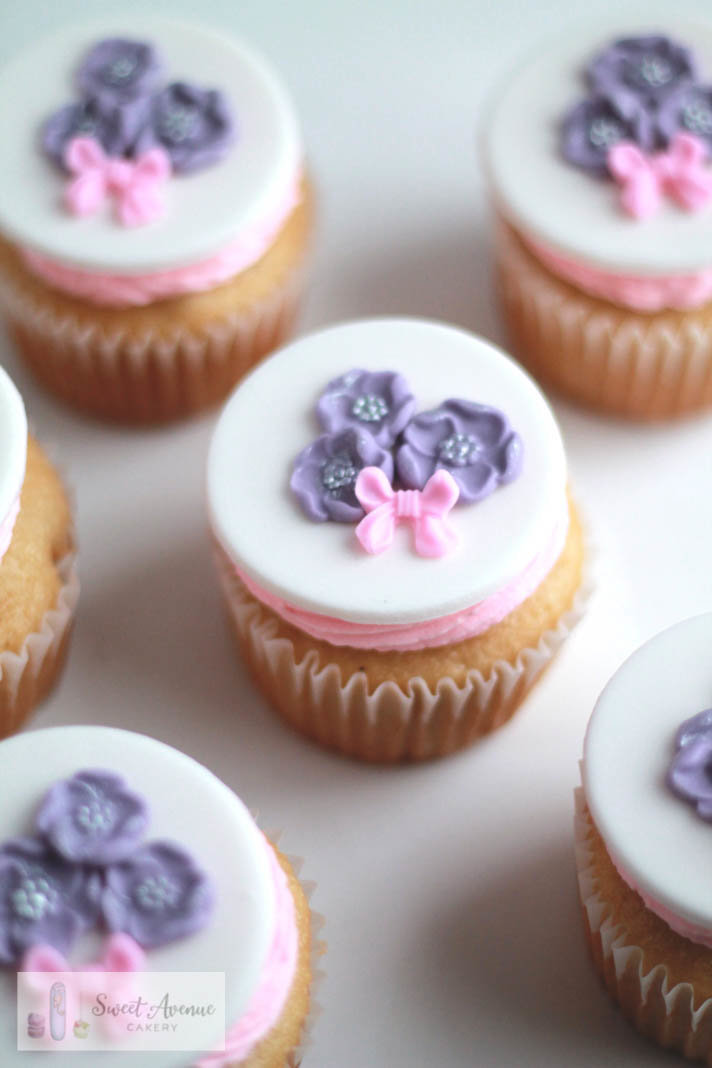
<point x="474" y="442"/>
<point x="594" y="125"/>
<point x="119" y="70"/>
<point x="157" y="896"/>
<point x="43" y="898"/>
<point x="688" y="111"/>
<point x="636" y="72"/>
<point x="113" y="127"/>
<point x="378" y="401"/>
<point x="193" y="125"/>
<point x="324" y="474"/>
<point x="690" y="773"/>
<point x="93" y="818"/>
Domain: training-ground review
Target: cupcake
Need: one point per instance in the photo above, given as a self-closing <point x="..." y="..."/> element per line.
<point x="598" y="157"/>
<point x="38" y="581"/>
<point x="644" y="838"/>
<point x="153" y="233"/>
<point x="395" y="543"/>
<point x="120" y="855"/>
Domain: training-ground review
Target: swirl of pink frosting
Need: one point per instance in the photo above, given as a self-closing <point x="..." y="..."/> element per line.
<point x="266" y="1004"/>
<point x="429" y="633"/>
<point x="7" y="526"/>
<point x="640" y="292"/>
<point x="133" y="290"/>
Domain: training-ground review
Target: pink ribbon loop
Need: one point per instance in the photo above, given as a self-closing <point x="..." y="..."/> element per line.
<point x="678" y="172"/>
<point x="121" y="954"/>
<point x="425" y="509"/>
<point x="135" y="184"/>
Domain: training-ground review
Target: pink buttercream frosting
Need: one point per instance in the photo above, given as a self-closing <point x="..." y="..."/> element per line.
<point x="7" y="526"/>
<point x="701" y="935"/>
<point x="405" y="637"/>
<point x="267" y="1002"/>
<point x="641" y="292"/>
<point x="130" y="290"/>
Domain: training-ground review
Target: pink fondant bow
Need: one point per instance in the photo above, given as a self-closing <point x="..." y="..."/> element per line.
<point x="678" y="171"/>
<point x="121" y="954"/>
<point x="134" y="183"/>
<point x="426" y="509"/>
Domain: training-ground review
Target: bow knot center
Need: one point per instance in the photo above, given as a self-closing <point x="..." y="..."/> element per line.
<point x="119" y="173"/>
<point x="407" y="504"/>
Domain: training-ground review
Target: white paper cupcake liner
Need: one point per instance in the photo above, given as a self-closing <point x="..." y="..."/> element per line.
<point x="389" y="724"/>
<point x="27" y="676"/>
<point x="645" y="365"/>
<point x="152" y="377"/>
<point x="659" y="1009"/>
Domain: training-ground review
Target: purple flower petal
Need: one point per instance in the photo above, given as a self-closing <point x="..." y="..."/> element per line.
<point x="93" y="818"/>
<point x="635" y="73"/>
<point x="325" y="472"/>
<point x="687" y="111"/>
<point x="194" y="127"/>
<point x="378" y="401"/>
<point x="594" y="125"/>
<point x="119" y="70"/>
<point x="474" y="442"/>
<point x="690" y="772"/>
<point x="43" y="898"/>
<point x="477" y="481"/>
<point x="158" y="896"/>
<point x="112" y="126"/>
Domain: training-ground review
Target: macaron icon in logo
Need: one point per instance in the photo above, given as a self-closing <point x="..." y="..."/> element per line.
<point x="58" y="1011"/>
<point x="35" y="1025"/>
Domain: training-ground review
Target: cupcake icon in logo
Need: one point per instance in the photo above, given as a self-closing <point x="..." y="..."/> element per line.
<point x="57" y="1011"/>
<point x="81" y="1029"/>
<point x="35" y="1025"/>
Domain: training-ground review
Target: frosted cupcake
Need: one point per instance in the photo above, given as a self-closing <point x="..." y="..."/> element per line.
<point x="396" y="547"/>
<point x="598" y="155"/>
<point x="121" y="855"/>
<point x="38" y="583"/>
<point x="644" y="838"/>
<point x="155" y="228"/>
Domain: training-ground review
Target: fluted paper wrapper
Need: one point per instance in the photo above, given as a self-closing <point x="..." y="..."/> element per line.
<point x="636" y="364"/>
<point x="660" y="1010"/>
<point x="146" y="378"/>
<point x="389" y="724"/>
<point x="28" y="676"/>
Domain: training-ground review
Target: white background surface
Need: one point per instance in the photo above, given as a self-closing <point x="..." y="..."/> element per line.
<point x="453" y="926"/>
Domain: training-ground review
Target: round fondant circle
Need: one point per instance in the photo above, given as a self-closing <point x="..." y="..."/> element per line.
<point x="656" y="839"/>
<point x="321" y="567"/>
<point x="187" y="805"/>
<point x="205" y="210"/>
<point x="13" y="444"/>
<point x="563" y="206"/>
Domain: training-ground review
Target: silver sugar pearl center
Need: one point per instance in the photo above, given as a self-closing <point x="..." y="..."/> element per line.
<point x="156" y="893"/>
<point x="458" y="449"/>
<point x="178" y="124"/>
<point x="120" y="70"/>
<point x="370" y="408"/>
<point x="604" y="132"/>
<point x="96" y="816"/>
<point x="33" y="898"/>
<point x="697" y="117"/>
<point x="654" y="71"/>
<point x="338" y="473"/>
